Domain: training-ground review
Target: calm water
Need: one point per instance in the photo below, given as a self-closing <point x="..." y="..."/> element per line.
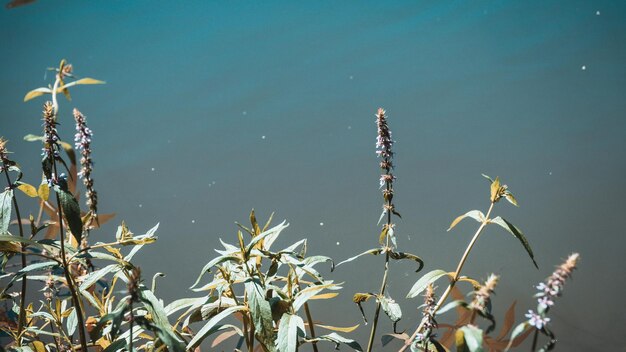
<point x="213" y="109"/>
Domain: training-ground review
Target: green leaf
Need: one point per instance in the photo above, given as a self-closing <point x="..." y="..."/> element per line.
<point x="72" y="322"/>
<point x="391" y="308"/>
<point x="487" y="177"/>
<point x="164" y="331"/>
<point x="374" y="251"/>
<point x="473" y="338"/>
<point x="474" y="214"/>
<point x="304" y="295"/>
<point x="33" y="138"/>
<point x="212" y="263"/>
<point x="423" y="282"/>
<point x="36" y="92"/>
<point x="512" y="229"/>
<point x="5" y="210"/>
<point x="211" y="326"/>
<point x="291" y="326"/>
<point x="403" y="255"/>
<point x="95" y="276"/>
<point x="71" y="212"/>
<point x="338" y="339"/>
<point x="517" y="332"/>
<point x="261" y="313"/>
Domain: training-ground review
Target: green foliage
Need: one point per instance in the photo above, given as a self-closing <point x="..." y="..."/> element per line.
<point x="94" y="297"/>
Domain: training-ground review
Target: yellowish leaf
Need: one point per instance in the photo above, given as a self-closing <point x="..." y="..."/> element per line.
<point x="328" y="295"/>
<point x="340" y="329"/>
<point x="43" y="191"/>
<point x="29" y="190"/>
<point x="495" y="189"/>
<point x="38" y="346"/>
<point x="36" y="93"/>
<point x="456" y="221"/>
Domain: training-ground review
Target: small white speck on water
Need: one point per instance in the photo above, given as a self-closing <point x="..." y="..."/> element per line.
<point x="152" y="169"/>
<point x="169" y="141"/>
<point x="408" y="237"/>
<point x="321" y="224"/>
<point x="213" y="182"/>
<point x="244" y="113"/>
<point x="598" y="13"/>
<point x="141" y="205"/>
<point x="193" y="221"/>
<point x="351" y="77"/>
<point x="338" y="243"/>
<point x="349" y="127"/>
<point x="262" y="137"/>
<point x="583" y="67"/>
<point x="550" y="173"/>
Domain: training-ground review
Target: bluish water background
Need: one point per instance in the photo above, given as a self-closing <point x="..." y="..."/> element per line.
<point x="213" y="108"/>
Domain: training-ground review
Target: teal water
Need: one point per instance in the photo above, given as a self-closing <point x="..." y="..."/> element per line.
<point x="211" y="109"/>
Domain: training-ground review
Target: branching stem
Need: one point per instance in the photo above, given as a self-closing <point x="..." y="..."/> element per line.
<point x="455" y="278"/>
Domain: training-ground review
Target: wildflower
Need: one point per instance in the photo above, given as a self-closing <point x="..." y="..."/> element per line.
<point x="82" y="141"/>
<point x="537" y="320"/>
<point x="482" y="296"/>
<point x="50" y="134"/>
<point x="553" y="285"/>
<point x="428" y="312"/>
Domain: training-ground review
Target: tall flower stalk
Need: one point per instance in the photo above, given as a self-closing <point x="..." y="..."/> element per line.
<point x="549" y="290"/>
<point x="82" y="141"/>
<point x="51" y="154"/>
<point x="384" y="144"/>
<point x="6" y="164"/>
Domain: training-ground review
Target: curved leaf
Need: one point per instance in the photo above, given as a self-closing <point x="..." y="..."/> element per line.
<point x="423" y="282"/>
<point x="403" y="255"/>
<point x="36" y="92"/>
<point x="291" y="326"/>
<point x="513" y="230"/>
<point x="71" y="212"/>
<point x="474" y="214"/>
<point x="29" y="190"/>
<point x="5" y="210"/>
<point x="374" y="251"/>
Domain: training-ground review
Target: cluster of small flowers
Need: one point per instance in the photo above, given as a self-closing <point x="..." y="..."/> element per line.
<point x="82" y="141"/>
<point x="429" y="318"/>
<point x="383" y="145"/>
<point x="482" y="296"/>
<point x="50" y="135"/>
<point x="549" y="290"/>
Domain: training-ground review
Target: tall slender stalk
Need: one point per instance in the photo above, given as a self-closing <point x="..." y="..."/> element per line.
<point x="5" y="165"/>
<point x="455" y="278"/>
<point x="384" y="143"/>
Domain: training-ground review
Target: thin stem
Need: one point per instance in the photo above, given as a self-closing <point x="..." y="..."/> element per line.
<point x="22" y="315"/>
<point x="383" y="285"/>
<point x="455" y="278"/>
<point x="66" y="271"/>
<point x="535" y="338"/>
<point x="130" y="333"/>
<point x="311" y="328"/>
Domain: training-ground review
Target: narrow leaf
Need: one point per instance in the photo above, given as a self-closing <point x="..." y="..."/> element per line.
<point x="473" y="338"/>
<point x="5" y="210"/>
<point x="337" y="328"/>
<point x="423" y="282"/>
<point x="291" y="326"/>
<point x="474" y="214"/>
<point x="71" y="212"/>
<point x="36" y="92"/>
<point x="374" y="251"/>
<point x="210" y="326"/>
<point x="512" y="229"/>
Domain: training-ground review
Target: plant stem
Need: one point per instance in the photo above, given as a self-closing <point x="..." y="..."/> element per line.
<point x="22" y="315"/>
<point x="535" y="337"/>
<point x="455" y="279"/>
<point x="66" y="271"/>
<point x="130" y="333"/>
<point x="311" y="328"/>
<point x="383" y="285"/>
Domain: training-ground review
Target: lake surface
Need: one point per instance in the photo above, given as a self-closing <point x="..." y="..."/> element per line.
<point x="214" y="108"/>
